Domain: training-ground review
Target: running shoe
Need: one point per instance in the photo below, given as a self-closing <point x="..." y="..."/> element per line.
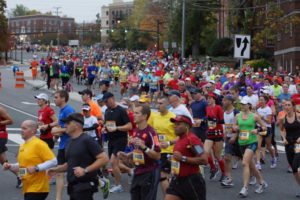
<point x="298" y="195"/>
<point x="227" y="182"/>
<point x="289" y="170"/>
<point x="19" y="183"/>
<point x="258" y="166"/>
<point x="260" y="188"/>
<point x="273" y="163"/>
<point x="116" y="189"/>
<point x="252" y="180"/>
<point x="244" y="192"/>
<point x="213" y="174"/>
<point x="222" y="178"/>
<point x="105" y="187"/>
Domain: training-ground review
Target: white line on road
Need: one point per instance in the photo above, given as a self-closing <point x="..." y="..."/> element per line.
<point x="17" y="138"/>
<point x="15" y="109"/>
<point x="13" y="129"/>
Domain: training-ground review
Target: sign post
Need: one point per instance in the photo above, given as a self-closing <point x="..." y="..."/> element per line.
<point x="242" y="44"/>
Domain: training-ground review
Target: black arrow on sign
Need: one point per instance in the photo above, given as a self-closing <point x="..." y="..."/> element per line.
<point x="245" y="41"/>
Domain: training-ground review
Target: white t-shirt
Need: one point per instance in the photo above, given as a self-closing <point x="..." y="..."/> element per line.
<point x="228" y="123"/>
<point x="253" y="99"/>
<point x="181" y="110"/>
<point x="89" y="122"/>
<point x="292" y="89"/>
<point x="264" y="113"/>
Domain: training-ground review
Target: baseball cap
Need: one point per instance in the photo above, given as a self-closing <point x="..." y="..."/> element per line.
<point x="86" y="91"/>
<point x="229" y="97"/>
<point x="174" y="92"/>
<point x="244" y="101"/>
<point x="77" y="117"/>
<point x="182" y="118"/>
<point x="104" y="82"/>
<point x="106" y="96"/>
<point x="196" y="90"/>
<point x="212" y="81"/>
<point x="42" y="96"/>
<point x="212" y="95"/>
<point x="85" y="106"/>
<point x="134" y="98"/>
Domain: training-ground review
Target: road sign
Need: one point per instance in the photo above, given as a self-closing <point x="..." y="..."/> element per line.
<point x="242" y="44"/>
<point x="174" y="45"/>
<point x="166" y="45"/>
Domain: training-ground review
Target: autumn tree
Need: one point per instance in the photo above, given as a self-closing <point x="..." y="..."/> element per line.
<point x="3" y="27"/>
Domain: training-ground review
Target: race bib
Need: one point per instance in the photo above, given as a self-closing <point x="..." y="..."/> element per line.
<point x="138" y="157"/>
<point x="262" y="133"/>
<point x="175" y="167"/>
<point x="105" y="76"/>
<point x="22" y="172"/>
<point x="211" y="124"/>
<point x="197" y="122"/>
<point x="297" y="148"/>
<point x="162" y="138"/>
<point x="134" y="85"/>
<point x="244" y="135"/>
<point x="110" y="125"/>
<point x="93" y="72"/>
<point x="228" y="128"/>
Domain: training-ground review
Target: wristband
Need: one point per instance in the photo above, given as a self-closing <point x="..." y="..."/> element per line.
<point x="36" y="168"/>
<point x="147" y="150"/>
<point x="86" y="170"/>
<point x="184" y="159"/>
<point x="169" y="143"/>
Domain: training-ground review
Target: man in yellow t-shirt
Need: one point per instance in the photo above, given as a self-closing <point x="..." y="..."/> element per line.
<point x="166" y="135"/>
<point x="34" y="158"/>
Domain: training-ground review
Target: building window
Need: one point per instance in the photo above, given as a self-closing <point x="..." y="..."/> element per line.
<point x="113" y="12"/>
<point x="106" y="22"/>
<point x="107" y="31"/>
<point x="113" y="22"/>
<point x="107" y="13"/>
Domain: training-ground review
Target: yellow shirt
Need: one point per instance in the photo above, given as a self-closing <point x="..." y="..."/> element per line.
<point x="32" y="153"/>
<point x="123" y="76"/>
<point x="151" y="118"/>
<point x="164" y="129"/>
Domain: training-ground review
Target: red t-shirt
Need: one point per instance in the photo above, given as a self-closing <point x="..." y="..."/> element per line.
<point x="44" y="117"/>
<point x="131" y="118"/>
<point x="183" y="145"/>
<point x="160" y="74"/>
<point x="174" y="84"/>
<point x="296" y="98"/>
<point x="215" y="115"/>
<point x="3" y="132"/>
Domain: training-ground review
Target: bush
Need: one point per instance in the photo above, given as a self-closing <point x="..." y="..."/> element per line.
<point x="260" y="63"/>
<point x="221" y="47"/>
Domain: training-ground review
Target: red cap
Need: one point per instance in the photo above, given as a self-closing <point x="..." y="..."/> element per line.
<point x="212" y="95"/>
<point x="182" y="118"/>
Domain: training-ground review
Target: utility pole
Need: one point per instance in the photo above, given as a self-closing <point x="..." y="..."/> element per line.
<point x="58" y="25"/>
<point x="183" y="31"/>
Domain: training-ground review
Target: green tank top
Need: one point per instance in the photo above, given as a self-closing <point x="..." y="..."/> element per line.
<point x="245" y="126"/>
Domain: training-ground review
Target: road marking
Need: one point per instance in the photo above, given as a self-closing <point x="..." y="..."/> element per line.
<point x="17" y="138"/>
<point x="15" y="109"/>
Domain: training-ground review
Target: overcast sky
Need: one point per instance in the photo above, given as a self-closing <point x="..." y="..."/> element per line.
<point x="81" y="10"/>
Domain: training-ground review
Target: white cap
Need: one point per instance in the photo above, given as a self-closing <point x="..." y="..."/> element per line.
<point x="212" y="81"/>
<point x="134" y="98"/>
<point x="42" y="96"/>
<point x="147" y="70"/>
<point x="244" y="101"/>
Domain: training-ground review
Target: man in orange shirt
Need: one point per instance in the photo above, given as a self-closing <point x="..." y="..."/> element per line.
<point x="34" y="65"/>
<point x="86" y="96"/>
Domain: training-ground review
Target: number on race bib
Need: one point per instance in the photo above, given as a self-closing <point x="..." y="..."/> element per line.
<point x="138" y="157"/>
<point x="297" y="148"/>
<point x="175" y="167"/>
<point x="244" y="135"/>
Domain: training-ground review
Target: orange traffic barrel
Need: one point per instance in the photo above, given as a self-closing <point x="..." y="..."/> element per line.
<point x="20" y="81"/>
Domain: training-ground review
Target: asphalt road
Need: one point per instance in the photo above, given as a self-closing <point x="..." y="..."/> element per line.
<point x="281" y="184"/>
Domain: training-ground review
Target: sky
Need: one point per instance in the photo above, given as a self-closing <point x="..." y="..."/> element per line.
<point x="81" y="10"/>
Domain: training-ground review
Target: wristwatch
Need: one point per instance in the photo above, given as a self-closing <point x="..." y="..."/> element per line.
<point x="36" y="168"/>
<point x="183" y="159"/>
<point x="86" y="170"/>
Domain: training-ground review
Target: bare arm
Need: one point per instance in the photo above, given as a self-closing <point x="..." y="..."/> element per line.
<point x="7" y="120"/>
<point x="126" y="127"/>
<point x="101" y="160"/>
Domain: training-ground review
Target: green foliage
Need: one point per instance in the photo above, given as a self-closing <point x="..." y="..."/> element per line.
<point x="221" y="47"/>
<point x="3" y="27"/>
<point x="21" y="10"/>
<point x="260" y="63"/>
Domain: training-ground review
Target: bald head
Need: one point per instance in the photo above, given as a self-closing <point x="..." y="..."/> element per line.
<point x="29" y="129"/>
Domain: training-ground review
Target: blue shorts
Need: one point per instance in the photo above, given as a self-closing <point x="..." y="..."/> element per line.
<point x="252" y="147"/>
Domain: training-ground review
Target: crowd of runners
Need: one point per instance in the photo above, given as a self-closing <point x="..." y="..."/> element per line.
<point x="164" y="120"/>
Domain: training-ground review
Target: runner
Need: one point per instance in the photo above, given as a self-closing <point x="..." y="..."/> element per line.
<point x="86" y="96"/>
<point x="231" y="146"/>
<point x="289" y="130"/>
<point x="123" y="81"/>
<point x="214" y="142"/>
<point x="145" y="155"/>
<point x="187" y="182"/>
<point x="245" y="123"/>
<point x="46" y="119"/>
<point x="167" y="137"/>
<point x="32" y="164"/>
<point x="117" y="123"/>
<point x="92" y="71"/>
<point x="83" y="158"/>
<point x="61" y="99"/>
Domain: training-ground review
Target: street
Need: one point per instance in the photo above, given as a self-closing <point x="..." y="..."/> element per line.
<point x="20" y="104"/>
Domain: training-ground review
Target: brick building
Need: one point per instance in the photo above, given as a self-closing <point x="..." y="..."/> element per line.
<point x="35" y="24"/>
<point x="111" y="15"/>
<point x="287" y="46"/>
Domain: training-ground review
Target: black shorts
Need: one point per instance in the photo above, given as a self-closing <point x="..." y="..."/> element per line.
<point x="55" y="76"/>
<point x="61" y="157"/>
<point x="115" y="146"/>
<point x="116" y="79"/>
<point x="165" y="163"/>
<point x="292" y="157"/>
<point x="218" y="139"/>
<point x="187" y="188"/>
<point x="50" y="142"/>
<point x="200" y="132"/>
<point x="3" y="143"/>
<point x="144" y="186"/>
<point x="232" y="149"/>
<point x="35" y="195"/>
<point x="90" y="81"/>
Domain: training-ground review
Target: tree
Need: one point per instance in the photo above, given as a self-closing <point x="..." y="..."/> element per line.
<point x="21" y="10"/>
<point x="3" y="27"/>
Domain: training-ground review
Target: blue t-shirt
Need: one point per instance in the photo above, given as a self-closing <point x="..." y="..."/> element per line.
<point x="283" y="96"/>
<point x="63" y="113"/>
<point x="199" y="111"/>
<point x="92" y="71"/>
